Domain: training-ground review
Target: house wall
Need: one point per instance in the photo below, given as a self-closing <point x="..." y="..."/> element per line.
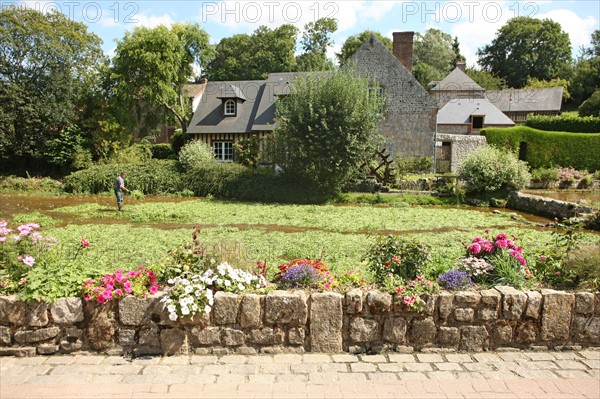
<point x="233" y="137"/>
<point x="410" y="112"/>
<point x="461" y="146"/>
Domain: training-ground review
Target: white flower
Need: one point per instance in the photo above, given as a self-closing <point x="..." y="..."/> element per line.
<point x="241" y="287"/>
<point x="188" y="289"/>
<point x="172" y="308"/>
<point x="219" y="281"/>
<point x="173" y="316"/>
<point x="185" y="310"/>
<point x="194" y="308"/>
<point x="227" y="283"/>
<point x="198" y="293"/>
<point x="171" y="281"/>
<point x="207" y="309"/>
<point x="211" y="301"/>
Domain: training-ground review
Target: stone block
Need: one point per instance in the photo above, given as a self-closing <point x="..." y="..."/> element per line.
<point x="364" y="330"/>
<point x="206" y="336"/>
<point x="490" y="298"/>
<point x="526" y="333"/>
<point x="136" y="311"/>
<point x="47" y="349"/>
<point x="233" y="337"/>
<point x="226" y="307"/>
<point x="467" y="299"/>
<point x="173" y="341"/>
<point x="445" y="307"/>
<point x="556" y="315"/>
<point x="5" y="336"/>
<point x="126" y="337"/>
<point x="266" y="336"/>
<point x="73" y="332"/>
<point x="584" y="302"/>
<point x="283" y="307"/>
<point x="12" y="311"/>
<point x="448" y="336"/>
<point x="502" y="333"/>
<point x="149" y="337"/>
<point x="394" y="330"/>
<point x="473" y="338"/>
<point x="43" y="334"/>
<point x="70" y="346"/>
<point x="67" y="311"/>
<point x="250" y="311"/>
<point x="422" y="332"/>
<point x="464" y="314"/>
<point x="597" y="310"/>
<point x="513" y="302"/>
<point x="487" y="314"/>
<point x="379" y="303"/>
<point x="18" y="352"/>
<point x="534" y="304"/>
<point x="296" y="336"/>
<point x="429" y="304"/>
<point x="586" y="328"/>
<point x="354" y="302"/>
<point x="36" y="314"/>
<point x="102" y="324"/>
<point x="326" y="322"/>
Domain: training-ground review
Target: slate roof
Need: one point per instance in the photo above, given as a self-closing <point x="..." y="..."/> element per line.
<point x="459" y="111"/>
<point x="526" y="100"/>
<point x="232" y="91"/>
<point x="457" y="80"/>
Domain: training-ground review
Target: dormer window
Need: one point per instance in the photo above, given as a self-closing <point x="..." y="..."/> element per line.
<point x="229" y="108"/>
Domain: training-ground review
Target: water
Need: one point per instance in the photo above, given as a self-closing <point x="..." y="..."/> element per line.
<point x="591" y="197"/>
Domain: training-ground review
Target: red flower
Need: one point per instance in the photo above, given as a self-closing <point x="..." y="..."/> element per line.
<point x="84" y="243"/>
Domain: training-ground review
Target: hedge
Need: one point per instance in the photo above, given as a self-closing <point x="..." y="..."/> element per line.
<point x="152" y="177"/>
<point x="547" y="149"/>
<point x="572" y="124"/>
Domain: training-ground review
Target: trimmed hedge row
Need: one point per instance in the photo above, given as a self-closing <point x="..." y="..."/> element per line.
<point x="542" y="149"/>
<point x="153" y="177"/>
<point x="572" y="124"/>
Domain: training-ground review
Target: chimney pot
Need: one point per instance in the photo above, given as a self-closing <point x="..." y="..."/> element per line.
<point x="403" y="48"/>
<point x="461" y="65"/>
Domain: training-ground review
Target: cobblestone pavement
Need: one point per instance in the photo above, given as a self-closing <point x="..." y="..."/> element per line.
<point x="420" y="375"/>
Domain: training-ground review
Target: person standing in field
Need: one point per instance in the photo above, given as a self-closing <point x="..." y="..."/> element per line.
<point x="120" y="189"/>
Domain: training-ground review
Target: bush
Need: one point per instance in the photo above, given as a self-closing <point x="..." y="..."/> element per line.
<point x="591" y="107"/>
<point x="545" y="176"/>
<point x="13" y="183"/>
<point x="400" y="257"/>
<point x="586" y="182"/>
<point x="488" y="170"/>
<point x="162" y="151"/>
<point x="151" y="178"/>
<point x="134" y="154"/>
<point x="565" y="123"/>
<point x="178" y="140"/>
<point x="415" y="165"/>
<point x="196" y="153"/>
<point x="582" y="264"/>
<point x="544" y="149"/>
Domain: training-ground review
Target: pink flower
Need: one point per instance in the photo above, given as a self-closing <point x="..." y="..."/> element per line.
<point x="154" y="289"/>
<point x="3" y="239"/>
<point x="475" y="249"/>
<point x="131" y="274"/>
<point x="85" y="243"/>
<point x="100" y="299"/>
<point x="326" y="286"/>
<point x="502" y="244"/>
<point x="501" y="236"/>
<point x="420" y="278"/>
<point x="543" y="258"/>
<point x="399" y="290"/>
<point x="88" y="298"/>
<point x="487" y="246"/>
<point x="396" y="259"/>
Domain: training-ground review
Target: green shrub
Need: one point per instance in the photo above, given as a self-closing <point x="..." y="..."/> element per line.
<point x="196" y="153"/>
<point x="178" y="140"/>
<point x="153" y="177"/>
<point x="488" y="170"/>
<point x="582" y="264"/>
<point x="134" y="154"/>
<point x="415" y="165"/>
<point x="565" y="123"/>
<point x="591" y="107"/>
<point x="22" y="184"/>
<point x="586" y="182"/>
<point x="545" y="175"/>
<point x="594" y="222"/>
<point x="543" y="149"/>
<point x="402" y="258"/>
<point x="162" y="151"/>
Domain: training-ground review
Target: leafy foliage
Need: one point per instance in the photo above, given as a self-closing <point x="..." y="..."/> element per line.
<point x="195" y="154"/>
<point x="434" y="56"/>
<point x="486" y="79"/>
<point x="591" y="107"/>
<point x="327" y="126"/>
<point x="355" y="41"/>
<point x="396" y="256"/>
<point x="527" y="48"/>
<point x="315" y="42"/>
<point x="574" y="124"/>
<point x="488" y="170"/>
<point x="545" y="149"/>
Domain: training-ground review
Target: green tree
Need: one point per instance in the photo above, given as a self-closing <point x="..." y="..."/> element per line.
<point x="591" y="106"/>
<point x="253" y="57"/>
<point x="486" y="79"/>
<point x="458" y="57"/>
<point x="151" y="67"/>
<point x="315" y="41"/>
<point x="354" y="42"/>
<point x="327" y="126"/>
<point x="48" y="64"/>
<point x="534" y="83"/>
<point x="434" y="56"/>
<point x="586" y="72"/>
<point x="527" y="48"/>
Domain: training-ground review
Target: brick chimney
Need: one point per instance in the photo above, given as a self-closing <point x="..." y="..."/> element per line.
<point x="403" y="48"/>
<point x="461" y="65"/>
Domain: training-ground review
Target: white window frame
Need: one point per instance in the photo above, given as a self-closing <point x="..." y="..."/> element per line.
<point x="226" y="110"/>
<point x="223" y="151"/>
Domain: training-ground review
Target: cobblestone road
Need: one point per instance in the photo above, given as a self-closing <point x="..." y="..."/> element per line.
<point x="419" y="375"/>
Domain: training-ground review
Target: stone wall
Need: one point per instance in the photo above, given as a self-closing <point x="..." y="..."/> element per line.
<point x="284" y="321"/>
<point x="545" y="206"/>
<point x="461" y="146"/>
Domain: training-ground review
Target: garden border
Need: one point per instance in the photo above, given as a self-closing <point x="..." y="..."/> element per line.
<point x="294" y="322"/>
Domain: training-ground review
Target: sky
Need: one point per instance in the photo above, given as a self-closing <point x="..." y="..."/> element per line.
<point x="475" y="23"/>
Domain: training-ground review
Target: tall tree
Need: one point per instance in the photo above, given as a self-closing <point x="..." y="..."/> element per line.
<point x="527" y="48"/>
<point x="152" y="65"/>
<point x="586" y="72"/>
<point x="47" y="65"/>
<point x="458" y="57"/>
<point x="327" y="125"/>
<point x="315" y="41"/>
<point x="251" y="57"/>
<point x="354" y="42"/>
<point x="486" y="79"/>
<point x="434" y="55"/>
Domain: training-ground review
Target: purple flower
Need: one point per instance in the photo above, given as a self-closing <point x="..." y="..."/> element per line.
<point x="300" y="276"/>
<point x="455" y="280"/>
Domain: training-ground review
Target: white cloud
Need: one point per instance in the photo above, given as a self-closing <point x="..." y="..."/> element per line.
<point x="579" y="29"/>
<point x="152" y="21"/>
